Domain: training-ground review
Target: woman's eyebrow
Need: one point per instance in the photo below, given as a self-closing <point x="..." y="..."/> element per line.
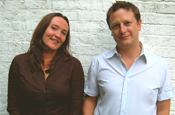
<point x="58" y="27"/>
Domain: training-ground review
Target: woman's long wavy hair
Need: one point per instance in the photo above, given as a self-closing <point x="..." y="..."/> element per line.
<point x="36" y="48"/>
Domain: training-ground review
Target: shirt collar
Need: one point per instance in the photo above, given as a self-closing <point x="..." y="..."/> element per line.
<point x="115" y="52"/>
<point x="142" y="54"/>
<point x="112" y="53"/>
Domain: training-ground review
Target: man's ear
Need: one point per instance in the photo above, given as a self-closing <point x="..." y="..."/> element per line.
<point x="139" y="24"/>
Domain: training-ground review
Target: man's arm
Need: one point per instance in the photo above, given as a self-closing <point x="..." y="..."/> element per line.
<point x="89" y="105"/>
<point x="163" y="107"/>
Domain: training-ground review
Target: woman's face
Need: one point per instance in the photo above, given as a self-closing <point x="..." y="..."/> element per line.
<point x="55" y="34"/>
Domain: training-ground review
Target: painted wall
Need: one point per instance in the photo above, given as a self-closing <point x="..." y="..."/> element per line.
<point x="90" y="35"/>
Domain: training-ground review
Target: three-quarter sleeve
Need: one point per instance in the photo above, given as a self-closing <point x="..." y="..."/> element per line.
<point x="77" y="86"/>
<point x="13" y="89"/>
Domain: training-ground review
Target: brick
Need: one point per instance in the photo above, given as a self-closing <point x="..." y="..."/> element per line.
<point x="82" y="39"/>
<point x="164" y="19"/>
<point x="72" y="16"/>
<point x="91" y="15"/>
<point x="5" y="25"/>
<point x="3" y="46"/>
<point x="82" y="50"/>
<point x="59" y="5"/>
<point x="18" y="36"/>
<point x="40" y="4"/>
<point x="147" y="7"/>
<point x="169" y="0"/>
<point x="38" y="14"/>
<point x="165" y="8"/>
<point x="17" y="26"/>
<point x="165" y="52"/>
<point x="107" y="4"/>
<point x="158" y="30"/>
<point x="159" y="41"/>
<point x="31" y="25"/>
<point x="11" y="5"/>
<point x="90" y="5"/>
<point x="85" y="60"/>
<point x="105" y="39"/>
<point x="84" y="26"/>
<point x="159" y="7"/>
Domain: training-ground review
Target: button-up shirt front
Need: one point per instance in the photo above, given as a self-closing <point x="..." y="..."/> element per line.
<point x="128" y="92"/>
<point x="60" y="94"/>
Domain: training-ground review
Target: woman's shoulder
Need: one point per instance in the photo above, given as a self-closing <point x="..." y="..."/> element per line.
<point x="73" y="59"/>
<point x="21" y="57"/>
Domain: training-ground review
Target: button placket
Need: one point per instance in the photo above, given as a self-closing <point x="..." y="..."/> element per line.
<point x="124" y="96"/>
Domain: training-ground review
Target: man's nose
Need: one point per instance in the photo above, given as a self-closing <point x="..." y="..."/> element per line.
<point x="122" y="28"/>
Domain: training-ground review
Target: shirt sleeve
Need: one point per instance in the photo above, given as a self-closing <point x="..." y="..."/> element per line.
<point x="13" y="89"/>
<point x="77" y="86"/>
<point x="166" y="92"/>
<point x="91" y="87"/>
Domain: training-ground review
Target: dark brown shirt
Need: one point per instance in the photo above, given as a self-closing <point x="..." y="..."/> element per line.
<point x="60" y="94"/>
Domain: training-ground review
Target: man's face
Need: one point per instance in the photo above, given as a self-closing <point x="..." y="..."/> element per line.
<point x="125" y="28"/>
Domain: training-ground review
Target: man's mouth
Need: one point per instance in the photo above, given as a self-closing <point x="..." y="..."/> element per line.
<point x="123" y="37"/>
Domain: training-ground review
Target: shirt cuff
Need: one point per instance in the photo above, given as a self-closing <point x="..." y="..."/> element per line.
<point x="166" y="96"/>
<point x="90" y="93"/>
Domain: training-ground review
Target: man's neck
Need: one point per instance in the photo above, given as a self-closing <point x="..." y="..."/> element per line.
<point x="129" y="54"/>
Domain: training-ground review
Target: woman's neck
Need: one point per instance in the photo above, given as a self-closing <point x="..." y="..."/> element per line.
<point x="47" y="57"/>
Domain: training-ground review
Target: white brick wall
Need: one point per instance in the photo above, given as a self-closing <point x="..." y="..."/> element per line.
<point x="89" y="32"/>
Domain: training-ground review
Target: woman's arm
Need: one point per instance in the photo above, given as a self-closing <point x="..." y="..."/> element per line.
<point x="13" y="89"/>
<point x="77" y="90"/>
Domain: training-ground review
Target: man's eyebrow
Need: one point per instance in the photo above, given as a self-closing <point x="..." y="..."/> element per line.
<point x="115" y="24"/>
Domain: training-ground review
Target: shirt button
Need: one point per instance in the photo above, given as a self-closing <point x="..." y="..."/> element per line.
<point x="123" y="109"/>
<point x="125" y="93"/>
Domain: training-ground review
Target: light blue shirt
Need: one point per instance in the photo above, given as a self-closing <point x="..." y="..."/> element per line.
<point x="128" y="92"/>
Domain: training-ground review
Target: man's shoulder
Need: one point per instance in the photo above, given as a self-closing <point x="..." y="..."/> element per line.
<point x="152" y="57"/>
<point x="105" y="55"/>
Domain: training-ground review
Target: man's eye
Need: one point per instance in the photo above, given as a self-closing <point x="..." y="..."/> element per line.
<point x="115" y="26"/>
<point x="127" y="23"/>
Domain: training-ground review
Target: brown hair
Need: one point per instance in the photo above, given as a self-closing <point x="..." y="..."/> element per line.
<point x="36" y="48"/>
<point x="125" y="5"/>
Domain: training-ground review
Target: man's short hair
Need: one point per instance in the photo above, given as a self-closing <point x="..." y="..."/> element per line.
<point x="125" y="5"/>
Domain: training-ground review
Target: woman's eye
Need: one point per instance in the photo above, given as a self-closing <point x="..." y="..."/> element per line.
<point x="63" y="33"/>
<point x="53" y="28"/>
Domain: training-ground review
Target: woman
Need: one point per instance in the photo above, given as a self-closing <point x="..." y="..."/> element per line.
<point x="46" y="80"/>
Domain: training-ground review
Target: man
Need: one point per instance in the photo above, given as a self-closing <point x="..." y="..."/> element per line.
<point x="127" y="80"/>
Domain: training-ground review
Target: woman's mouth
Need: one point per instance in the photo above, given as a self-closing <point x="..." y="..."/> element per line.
<point x="54" y="40"/>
